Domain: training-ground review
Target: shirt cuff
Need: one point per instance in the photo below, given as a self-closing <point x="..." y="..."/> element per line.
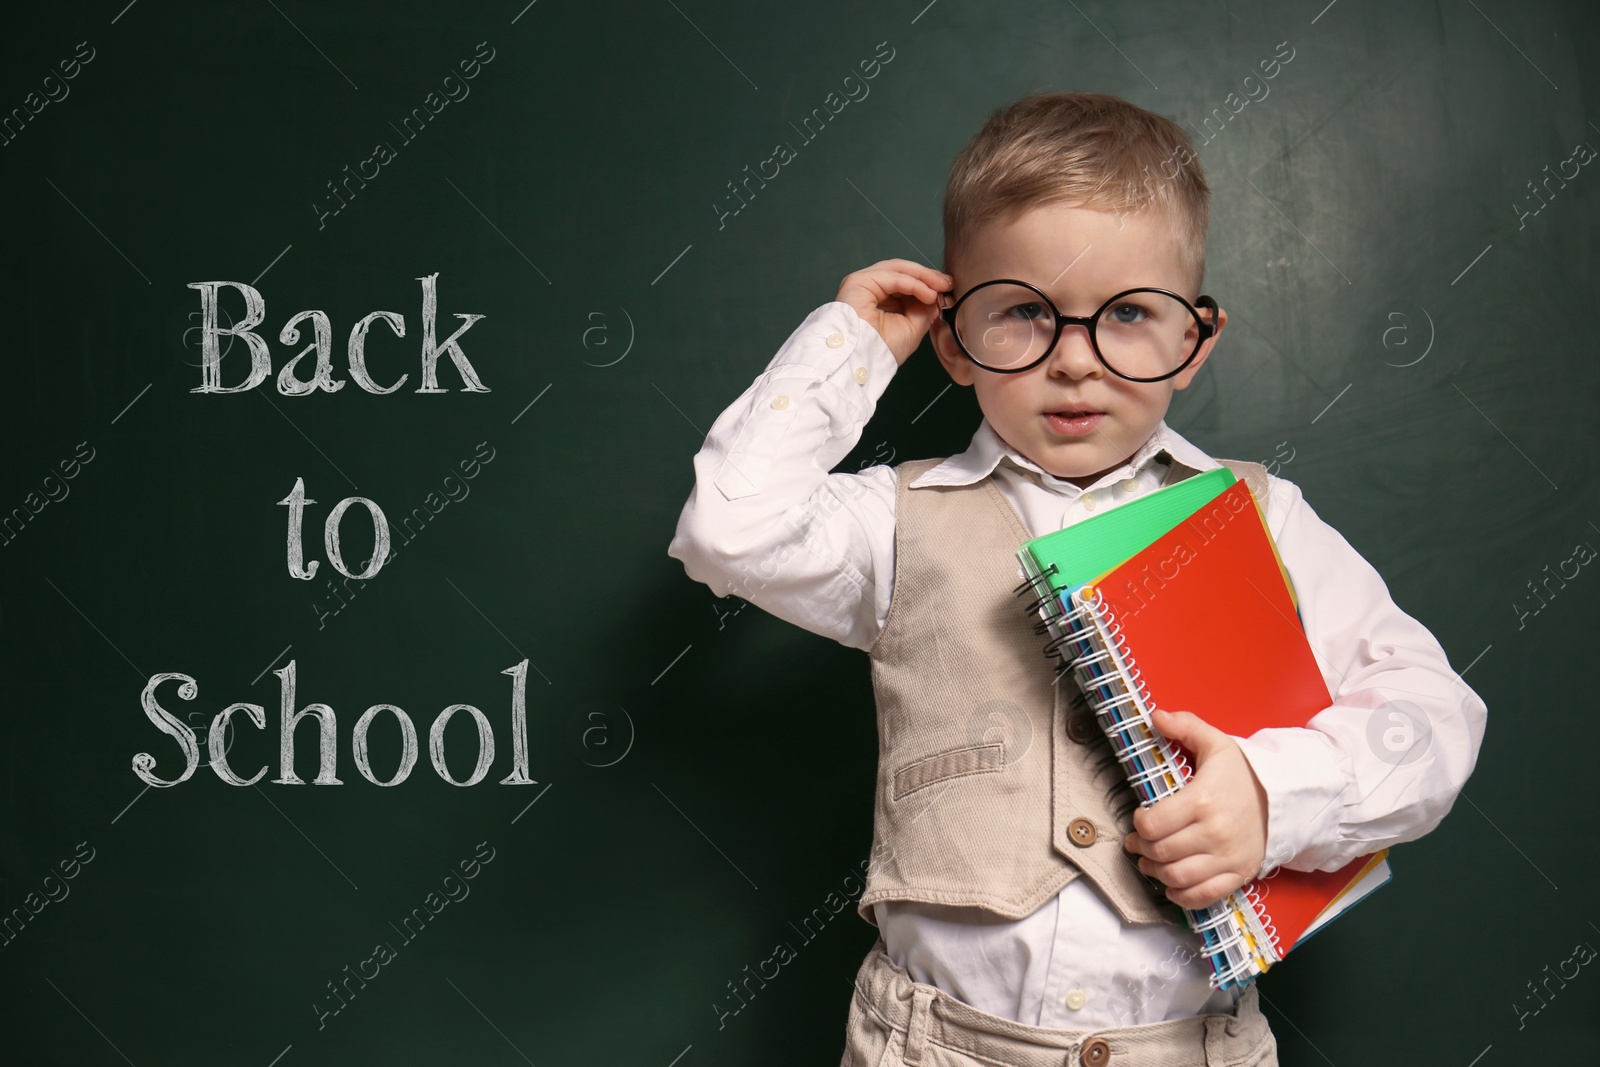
<point x="1300" y="771"/>
<point x="834" y="364"/>
<point x="865" y="366"/>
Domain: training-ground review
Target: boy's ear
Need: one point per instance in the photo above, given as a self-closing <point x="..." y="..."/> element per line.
<point x="1182" y="380"/>
<point x="956" y="364"/>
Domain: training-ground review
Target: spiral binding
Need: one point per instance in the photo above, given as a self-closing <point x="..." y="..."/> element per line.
<point x="1236" y="938"/>
<point x="1257" y="892"/>
<point x="1120" y="697"/>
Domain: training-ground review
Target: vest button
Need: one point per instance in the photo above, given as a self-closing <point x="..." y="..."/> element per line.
<point x="1082" y="728"/>
<point x="1096" y="1052"/>
<point x="1083" y="835"/>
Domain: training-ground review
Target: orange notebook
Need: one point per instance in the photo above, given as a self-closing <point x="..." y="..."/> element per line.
<point x="1205" y="620"/>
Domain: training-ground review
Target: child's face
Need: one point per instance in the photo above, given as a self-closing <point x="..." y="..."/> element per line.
<point x="1078" y="257"/>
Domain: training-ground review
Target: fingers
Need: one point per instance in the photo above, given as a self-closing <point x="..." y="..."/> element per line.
<point x="1184" y="874"/>
<point x="1189" y="841"/>
<point x="1197" y="864"/>
<point x="898" y="298"/>
<point x="1190" y="731"/>
<point x="1207" y="892"/>
<point x="1196" y="880"/>
<point x="912" y="267"/>
<point x="894" y="277"/>
<point x="1170" y="814"/>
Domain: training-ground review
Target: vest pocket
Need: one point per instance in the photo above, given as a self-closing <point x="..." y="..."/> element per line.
<point x="955" y="763"/>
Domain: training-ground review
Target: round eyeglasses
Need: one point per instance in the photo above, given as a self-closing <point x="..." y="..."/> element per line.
<point x="1142" y="335"/>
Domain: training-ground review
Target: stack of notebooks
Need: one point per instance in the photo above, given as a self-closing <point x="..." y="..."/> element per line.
<point x="1179" y="600"/>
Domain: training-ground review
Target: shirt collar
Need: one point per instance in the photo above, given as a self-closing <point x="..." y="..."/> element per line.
<point x="988" y="449"/>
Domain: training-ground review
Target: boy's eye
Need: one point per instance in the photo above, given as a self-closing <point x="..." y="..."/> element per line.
<point x="1125" y="315"/>
<point x="1031" y="310"/>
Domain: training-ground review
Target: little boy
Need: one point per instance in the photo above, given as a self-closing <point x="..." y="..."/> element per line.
<point x="1023" y="901"/>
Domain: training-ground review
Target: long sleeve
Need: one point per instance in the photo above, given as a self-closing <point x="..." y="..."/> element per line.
<point x="1384" y="763"/>
<point x="765" y="520"/>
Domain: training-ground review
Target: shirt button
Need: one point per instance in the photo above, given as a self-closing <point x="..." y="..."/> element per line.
<point x="835" y="339"/>
<point x="861" y="375"/>
<point x="1082" y="832"/>
<point x="1130" y="485"/>
<point x="780" y="402"/>
<point x="1096" y="1052"/>
<point x="1076" y="998"/>
<point x="1087" y="500"/>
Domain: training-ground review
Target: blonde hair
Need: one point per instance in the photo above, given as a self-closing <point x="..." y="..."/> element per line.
<point x="1085" y="149"/>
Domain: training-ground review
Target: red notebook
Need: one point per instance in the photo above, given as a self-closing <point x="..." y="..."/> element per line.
<point x="1207" y="618"/>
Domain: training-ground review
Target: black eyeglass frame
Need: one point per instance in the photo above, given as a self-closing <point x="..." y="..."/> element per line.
<point x="1207" y="329"/>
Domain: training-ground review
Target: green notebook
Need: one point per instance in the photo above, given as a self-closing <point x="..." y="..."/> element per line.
<point x="1087" y="549"/>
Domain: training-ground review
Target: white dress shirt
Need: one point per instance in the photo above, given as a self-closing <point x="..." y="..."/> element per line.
<point x="766" y="521"/>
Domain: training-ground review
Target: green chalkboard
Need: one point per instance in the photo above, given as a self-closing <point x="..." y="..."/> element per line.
<point x="678" y="781"/>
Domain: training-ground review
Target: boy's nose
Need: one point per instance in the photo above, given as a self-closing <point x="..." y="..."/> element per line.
<point x="1073" y="354"/>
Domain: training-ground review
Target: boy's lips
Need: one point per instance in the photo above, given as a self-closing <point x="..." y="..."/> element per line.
<point x="1073" y="422"/>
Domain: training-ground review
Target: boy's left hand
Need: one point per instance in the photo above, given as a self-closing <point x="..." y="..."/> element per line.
<point x="1208" y="838"/>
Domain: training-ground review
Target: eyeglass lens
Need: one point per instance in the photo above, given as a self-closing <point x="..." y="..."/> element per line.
<point x="1140" y="335"/>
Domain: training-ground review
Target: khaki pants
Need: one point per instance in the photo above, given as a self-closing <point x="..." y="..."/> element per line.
<point x="895" y="1020"/>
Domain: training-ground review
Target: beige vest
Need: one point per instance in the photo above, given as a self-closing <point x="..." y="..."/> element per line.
<point x="995" y="787"/>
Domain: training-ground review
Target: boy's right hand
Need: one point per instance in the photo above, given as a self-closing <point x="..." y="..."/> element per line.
<point x="899" y="298"/>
